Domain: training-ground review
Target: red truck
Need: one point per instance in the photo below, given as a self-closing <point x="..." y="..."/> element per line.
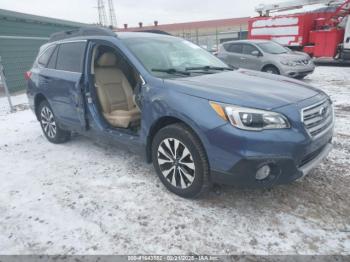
<point x="321" y="33"/>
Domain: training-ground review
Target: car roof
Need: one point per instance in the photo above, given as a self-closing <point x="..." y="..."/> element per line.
<point x="119" y="35"/>
<point x="127" y="35"/>
<point x="255" y="41"/>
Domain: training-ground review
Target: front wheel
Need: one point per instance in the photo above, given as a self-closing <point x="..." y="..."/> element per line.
<point x="180" y="161"/>
<point x="301" y="77"/>
<point x="49" y="125"/>
<point x="271" y="70"/>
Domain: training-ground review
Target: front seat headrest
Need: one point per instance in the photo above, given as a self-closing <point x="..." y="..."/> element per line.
<point x="107" y="59"/>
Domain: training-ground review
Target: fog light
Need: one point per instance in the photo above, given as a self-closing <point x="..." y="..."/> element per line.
<point x="263" y="172"/>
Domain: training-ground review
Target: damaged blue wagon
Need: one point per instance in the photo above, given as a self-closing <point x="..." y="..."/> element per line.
<point x="199" y="121"/>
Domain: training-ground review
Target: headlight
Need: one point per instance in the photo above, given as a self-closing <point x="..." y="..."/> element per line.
<point x="249" y="118"/>
<point x="288" y="63"/>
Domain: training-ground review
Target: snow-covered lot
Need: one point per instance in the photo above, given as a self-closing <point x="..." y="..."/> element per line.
<point x="85" y="198"/>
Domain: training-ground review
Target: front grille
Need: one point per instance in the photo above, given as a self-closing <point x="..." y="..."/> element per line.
<point x="318" y="118"/>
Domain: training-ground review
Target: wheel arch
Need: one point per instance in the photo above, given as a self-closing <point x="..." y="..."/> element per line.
<point x="163" y="122"/>
<point x="270" y="65"/>
<point x="37" y="101"/>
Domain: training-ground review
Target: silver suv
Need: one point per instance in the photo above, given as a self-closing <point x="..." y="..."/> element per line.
<point x="266" y="56"/>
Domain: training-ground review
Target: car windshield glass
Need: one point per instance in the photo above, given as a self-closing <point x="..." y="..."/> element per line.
<point x="273" y="48"/>
<point x="167" y="56"/>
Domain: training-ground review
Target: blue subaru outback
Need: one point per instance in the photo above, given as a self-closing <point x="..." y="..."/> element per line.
<point x="199" y="121"/>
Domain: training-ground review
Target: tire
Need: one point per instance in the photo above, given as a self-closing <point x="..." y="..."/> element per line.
<point x="51" y="130"/>
<point x="271" y="70"/>
<point x="301" y="77"/>
<point x="186" y="172"/>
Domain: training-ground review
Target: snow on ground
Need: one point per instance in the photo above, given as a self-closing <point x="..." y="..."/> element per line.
<point x="86" y="198"/>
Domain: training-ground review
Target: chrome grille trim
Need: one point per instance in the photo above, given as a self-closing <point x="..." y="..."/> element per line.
<point x="318" y="119"/>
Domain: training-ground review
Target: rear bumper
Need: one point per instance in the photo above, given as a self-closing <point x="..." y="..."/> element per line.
<point x="31" y="101"/>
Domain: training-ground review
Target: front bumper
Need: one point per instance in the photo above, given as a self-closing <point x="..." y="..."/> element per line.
<point x="284" y="170"/>
<point x="235" y="155"/>
<point x="298" y="71"/>
<point x="308" y="167"/>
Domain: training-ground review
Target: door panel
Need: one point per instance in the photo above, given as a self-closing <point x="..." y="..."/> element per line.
<point x="67" y="87"/>
<point x="248" y="60"/>
<point x="233" y="55"/>
<point x="67" y="98"/>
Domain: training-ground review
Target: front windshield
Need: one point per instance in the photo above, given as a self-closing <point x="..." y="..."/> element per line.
<point x="273" y="48"/>
<point x="173" y="55"/>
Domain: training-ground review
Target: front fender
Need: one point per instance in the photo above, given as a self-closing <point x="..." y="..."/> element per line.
<point x="193" y="111"/>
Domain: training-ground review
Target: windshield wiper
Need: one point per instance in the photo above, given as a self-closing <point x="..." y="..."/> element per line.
<point x="207" y="68"/>
<point x="172" y="71"/>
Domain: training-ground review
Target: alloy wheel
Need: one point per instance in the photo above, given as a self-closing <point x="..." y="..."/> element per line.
<point x="48" y="122"/>
<point x="176" y="163"/>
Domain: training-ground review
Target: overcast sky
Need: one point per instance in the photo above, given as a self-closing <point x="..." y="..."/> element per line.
<point x="133" y="11"/>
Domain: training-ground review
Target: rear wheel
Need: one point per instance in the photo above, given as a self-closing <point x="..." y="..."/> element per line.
<point x="180" y="161"/>
<point x="271" y="70"/>
<point x="49" y="125"/>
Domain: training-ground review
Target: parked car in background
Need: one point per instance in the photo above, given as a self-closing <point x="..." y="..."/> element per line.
<point x="266" y="56"/>
<point x="196" y="119"/>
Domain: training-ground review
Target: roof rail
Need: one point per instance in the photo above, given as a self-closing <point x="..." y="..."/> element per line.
<point x="83" y="31"/>
<point x="154" y="31"/>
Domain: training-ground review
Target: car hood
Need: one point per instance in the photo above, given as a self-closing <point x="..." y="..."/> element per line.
<point x="294" y="56"/>
<point x="245" y="88"/>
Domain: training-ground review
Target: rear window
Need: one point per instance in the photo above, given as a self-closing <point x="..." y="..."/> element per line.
<point x="53" y="60"/>
<point x="70" y="57"/>
<point x="45" y="56"/>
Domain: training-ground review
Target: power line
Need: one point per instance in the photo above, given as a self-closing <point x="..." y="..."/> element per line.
<point x="102" y="17"/>
<point x="112" y="16"/>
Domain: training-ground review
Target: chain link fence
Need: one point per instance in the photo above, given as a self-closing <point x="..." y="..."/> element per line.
<point x="8" y="103"/>
<point x="17" y="55"/>
<point x="5" y="99"/>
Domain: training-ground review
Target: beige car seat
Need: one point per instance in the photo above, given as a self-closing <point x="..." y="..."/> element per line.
<point x="115" y="93"/>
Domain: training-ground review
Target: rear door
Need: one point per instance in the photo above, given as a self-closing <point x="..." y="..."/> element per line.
<point x="67" y="84"/>
<point x="234" y="52"/>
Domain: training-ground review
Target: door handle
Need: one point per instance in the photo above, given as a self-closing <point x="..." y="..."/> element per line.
<point x="243" y="58"/>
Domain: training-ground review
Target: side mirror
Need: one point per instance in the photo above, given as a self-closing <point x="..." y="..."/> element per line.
<point x="256" y="53"/>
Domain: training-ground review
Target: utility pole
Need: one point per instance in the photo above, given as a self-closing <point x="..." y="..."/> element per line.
<point x="101" y="13"/>
<point x="112" y="16"/>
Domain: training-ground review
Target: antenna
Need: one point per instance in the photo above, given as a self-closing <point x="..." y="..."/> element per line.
<point x="101" y="13"/>
<point x="112" y="16"/>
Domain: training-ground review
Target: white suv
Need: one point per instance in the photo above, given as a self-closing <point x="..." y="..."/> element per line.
<point x="266" y="56"/>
